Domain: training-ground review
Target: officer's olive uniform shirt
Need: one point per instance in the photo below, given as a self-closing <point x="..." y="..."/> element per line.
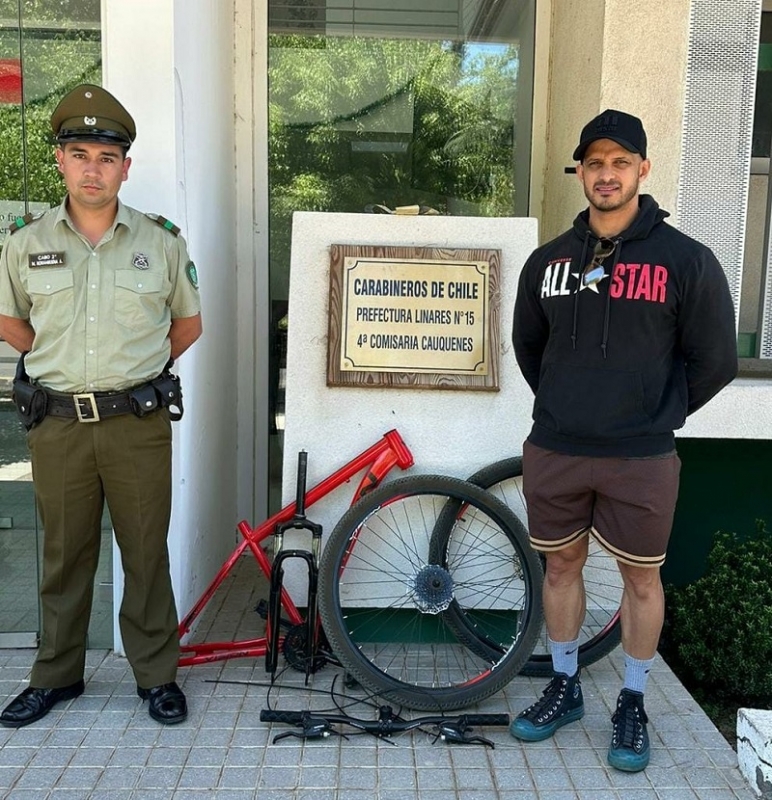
<point x="101" y="314"/>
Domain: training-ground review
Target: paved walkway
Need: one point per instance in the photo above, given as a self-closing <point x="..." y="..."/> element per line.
<point x="104" y="746"/>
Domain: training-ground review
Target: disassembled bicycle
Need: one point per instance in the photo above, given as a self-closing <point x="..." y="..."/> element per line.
<point x="378" y="460"/>
<point x="429" y="593"/>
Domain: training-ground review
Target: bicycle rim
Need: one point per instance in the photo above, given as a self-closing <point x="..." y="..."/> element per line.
<point x="601" y="630"/>
<point x="398" y="560"/>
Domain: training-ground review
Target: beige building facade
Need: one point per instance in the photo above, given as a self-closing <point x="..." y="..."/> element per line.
<point x="229" y="99"/>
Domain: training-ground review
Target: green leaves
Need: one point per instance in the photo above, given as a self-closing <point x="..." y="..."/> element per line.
<point x="59" y="46"/>
<point x="409" y="121"/>
<point x="720" y="626"/>
<point x="361" y="120"/>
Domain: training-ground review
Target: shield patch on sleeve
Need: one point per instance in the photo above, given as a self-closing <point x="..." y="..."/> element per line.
<point x="192" y="274"/>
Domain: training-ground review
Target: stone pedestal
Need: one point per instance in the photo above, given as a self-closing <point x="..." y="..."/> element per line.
<point x="754" y="749"/>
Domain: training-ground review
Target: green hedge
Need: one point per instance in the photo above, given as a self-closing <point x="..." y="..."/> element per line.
<point x="719" y="628"/>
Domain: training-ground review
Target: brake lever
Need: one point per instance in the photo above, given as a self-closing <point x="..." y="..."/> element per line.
<point x="312" y="729"/>
<point x="454" y="734"/>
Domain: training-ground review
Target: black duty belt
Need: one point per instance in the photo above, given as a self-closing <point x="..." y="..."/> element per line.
<point x="88" y="406"/>
<point x="33" y="402"/>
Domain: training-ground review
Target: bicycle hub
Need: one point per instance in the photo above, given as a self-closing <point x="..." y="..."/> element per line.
<point x="432" y="589"/>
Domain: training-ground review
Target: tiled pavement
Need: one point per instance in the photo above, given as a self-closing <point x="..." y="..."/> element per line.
<point x="104" y="746"/>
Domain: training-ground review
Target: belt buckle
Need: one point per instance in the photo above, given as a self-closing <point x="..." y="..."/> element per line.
<point x="89" y="412"/>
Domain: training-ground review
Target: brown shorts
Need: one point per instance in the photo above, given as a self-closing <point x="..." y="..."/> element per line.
<point x="626" y="503"/>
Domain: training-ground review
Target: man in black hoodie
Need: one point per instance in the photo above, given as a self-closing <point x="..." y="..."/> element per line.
<point x="623" y="326"/>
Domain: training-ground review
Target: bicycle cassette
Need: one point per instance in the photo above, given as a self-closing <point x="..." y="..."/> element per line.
<point x="432" y="589"/>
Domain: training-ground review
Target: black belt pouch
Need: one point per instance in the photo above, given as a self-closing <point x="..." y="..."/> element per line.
<point x="169" y="392"/>
<point x="31" y="401"/>
<point x="143" y="400"/>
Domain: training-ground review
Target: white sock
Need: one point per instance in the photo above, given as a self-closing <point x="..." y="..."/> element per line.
<point x="565" y="656"/>
<point x="636" y="673"/>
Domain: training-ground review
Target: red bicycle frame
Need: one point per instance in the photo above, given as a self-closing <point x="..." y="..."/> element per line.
<point x="389" y="452"/>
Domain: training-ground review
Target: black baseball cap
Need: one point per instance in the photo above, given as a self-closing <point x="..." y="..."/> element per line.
<point x="622" y="128"/>
<point x="90" y="113"/>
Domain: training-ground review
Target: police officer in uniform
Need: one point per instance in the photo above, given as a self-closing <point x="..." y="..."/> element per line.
<point x="99" y="299"/>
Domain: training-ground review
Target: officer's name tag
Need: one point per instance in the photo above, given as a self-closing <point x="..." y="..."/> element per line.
<point x="46" y="259"/>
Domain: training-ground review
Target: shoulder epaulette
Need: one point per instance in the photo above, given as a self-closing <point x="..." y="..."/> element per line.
<point x="21" y="222"/>
<point x="164" y="223"/>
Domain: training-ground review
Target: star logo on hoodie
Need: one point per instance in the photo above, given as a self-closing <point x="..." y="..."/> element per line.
<point x="593" y="286"/>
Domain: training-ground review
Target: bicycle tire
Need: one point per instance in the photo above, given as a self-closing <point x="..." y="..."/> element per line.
<point x="601" y="631"/>
<point x="382" y="596"/>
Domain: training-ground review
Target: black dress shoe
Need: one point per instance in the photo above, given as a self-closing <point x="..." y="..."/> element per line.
<point x="166" y="703"/>
<point x="33" y="704"/>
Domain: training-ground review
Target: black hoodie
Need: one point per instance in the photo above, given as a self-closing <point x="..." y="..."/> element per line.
<point x="617" y="367"/>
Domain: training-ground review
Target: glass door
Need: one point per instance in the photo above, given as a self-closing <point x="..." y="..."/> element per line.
<point x="375" y="104"/>
<point x="18" y="526"/>
<point x="19" y="621"/>
<point x="45" y="50"/>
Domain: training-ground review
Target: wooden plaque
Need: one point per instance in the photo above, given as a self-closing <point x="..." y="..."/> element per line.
<point x="413" y="317"/>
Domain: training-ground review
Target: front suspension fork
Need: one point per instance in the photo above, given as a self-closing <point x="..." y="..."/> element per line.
<point x="311" y="559"/>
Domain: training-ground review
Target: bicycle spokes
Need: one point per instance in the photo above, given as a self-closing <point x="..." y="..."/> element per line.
<point x="428" y="596"/>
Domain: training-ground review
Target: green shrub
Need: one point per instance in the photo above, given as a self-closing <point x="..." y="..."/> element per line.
<point x="720" y="627"/>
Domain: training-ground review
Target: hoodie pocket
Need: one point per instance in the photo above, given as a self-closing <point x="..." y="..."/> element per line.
<point x="591" y="403"/>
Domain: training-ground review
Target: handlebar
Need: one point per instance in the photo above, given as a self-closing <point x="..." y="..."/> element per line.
<point x="289" y="717"/>
<point x="393" y="724"/>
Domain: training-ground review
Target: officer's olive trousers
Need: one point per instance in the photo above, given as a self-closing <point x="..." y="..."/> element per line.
<point x="75" y="467"/>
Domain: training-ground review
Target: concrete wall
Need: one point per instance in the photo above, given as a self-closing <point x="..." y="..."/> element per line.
<point x="741" y="411"/>
<point x="170" y="62"/>
<point x="252" y="310"/>
<point x="614" y="54"/>
<point x="576" y="65"/>
<point x="644" y="67"/>
<point x="753" y="253"/>
<point x="452" y="432"/>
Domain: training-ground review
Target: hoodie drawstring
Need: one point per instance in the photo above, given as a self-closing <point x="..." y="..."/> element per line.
<point x="585" y="248"/>
<point x="615" y="255"/>
<point x="607" y="313"/>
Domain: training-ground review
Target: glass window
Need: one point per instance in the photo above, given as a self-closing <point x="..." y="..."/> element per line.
<point x="762" y="112"/>
<point x="393" y="103"/>
<point x="46" y="48"/>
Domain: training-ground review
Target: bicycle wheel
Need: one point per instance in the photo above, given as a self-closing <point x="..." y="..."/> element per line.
<point x="383" y="591"/>
<point x="601" y="631"/>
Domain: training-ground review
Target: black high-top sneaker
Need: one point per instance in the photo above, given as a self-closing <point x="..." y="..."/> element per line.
<point x="561" y="702"/>
<point x="629" y="750"/>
